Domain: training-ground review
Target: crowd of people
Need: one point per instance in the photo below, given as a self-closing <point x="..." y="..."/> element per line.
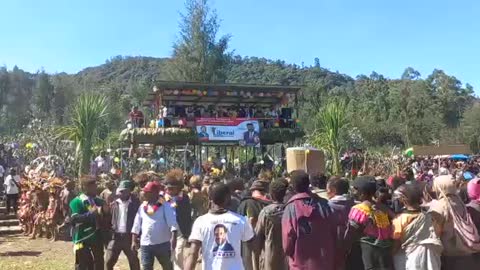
<point x="179" y="115"/>
<point x="299" y="221"/>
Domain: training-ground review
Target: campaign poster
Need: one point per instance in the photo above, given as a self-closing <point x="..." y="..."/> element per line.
<point x="242" y="130"/>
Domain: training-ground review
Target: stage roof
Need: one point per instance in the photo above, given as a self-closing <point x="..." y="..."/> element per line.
<point x="187" y="93"/>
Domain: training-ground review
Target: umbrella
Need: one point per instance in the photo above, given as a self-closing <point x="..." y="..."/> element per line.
<point x="468" y="176"/>
<point x="459" y="157"/>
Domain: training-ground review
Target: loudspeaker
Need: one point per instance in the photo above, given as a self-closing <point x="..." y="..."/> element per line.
<point x="286" y="113"/>
<point x="180" y="111"/>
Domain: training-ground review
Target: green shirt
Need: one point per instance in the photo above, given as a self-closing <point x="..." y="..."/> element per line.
<point x="86" y="231"/>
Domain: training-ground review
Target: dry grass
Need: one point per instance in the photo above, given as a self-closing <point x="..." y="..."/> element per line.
<point x="20" y="253"/>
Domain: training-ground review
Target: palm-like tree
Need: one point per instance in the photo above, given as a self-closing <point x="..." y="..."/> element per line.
<point x="88" y="113"/>
<point x="330" y="122"/>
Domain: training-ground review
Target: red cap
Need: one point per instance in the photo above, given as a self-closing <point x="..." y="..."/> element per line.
<point x="153" y="187"/>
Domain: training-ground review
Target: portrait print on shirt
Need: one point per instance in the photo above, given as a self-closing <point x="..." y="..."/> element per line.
<point x="222" y="247"/>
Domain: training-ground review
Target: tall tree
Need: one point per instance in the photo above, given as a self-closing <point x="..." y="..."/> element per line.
<point x="197" y="55"/>
<point x="64" y="88"/>
<point x="44" y="93"/>
<point x="451" y="97"/>
<point x="18" y="110"/>
<point x="4" y="88"/>
<point x="470" y="127"/>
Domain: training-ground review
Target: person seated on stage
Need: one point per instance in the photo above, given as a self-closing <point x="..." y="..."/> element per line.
<point x="231" y="112"/>
<point x="136" y="117"/>
<point x="190" y="113"/>
<point x="242" y="113"/>
<point x="198" y="111"/>
<point x="160" y="121"/>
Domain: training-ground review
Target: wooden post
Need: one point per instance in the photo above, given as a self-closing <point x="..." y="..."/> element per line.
<point x="185" y="158"/>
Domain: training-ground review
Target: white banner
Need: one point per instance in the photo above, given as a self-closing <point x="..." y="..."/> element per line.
<point x="245" y="131"/>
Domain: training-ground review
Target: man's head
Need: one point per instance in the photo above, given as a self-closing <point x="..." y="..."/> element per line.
<point x="259" y="187"/>
<point x="124" y="190"/>
<point x="219" y="194"/>
<point x="135" y="108"/>
<point x="337" y="186"/>
<point x="103" y="154"/>
<point x="236" y="184"/>
<point x="173" y="186"/>
<point x="300" y="181"/>
<point x="220" y="232"/>
<point x="13" y="171"/>
<point x="278" y="189"/>
<point x="319" y="181"/>
<point x="151" y="192"/>
<point x="250" y="127"/>
<point x="411" y="194"/>
<point x="89" y="186"/>
<point x="70" y="185"/>
<point x="364" y="188"/>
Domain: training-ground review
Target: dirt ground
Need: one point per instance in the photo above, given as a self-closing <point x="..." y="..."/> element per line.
<point x="21" y="253"/>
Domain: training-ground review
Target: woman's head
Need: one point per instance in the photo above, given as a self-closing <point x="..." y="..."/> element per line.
<point x="196" y="181"/>
<point x="444" y="185"/>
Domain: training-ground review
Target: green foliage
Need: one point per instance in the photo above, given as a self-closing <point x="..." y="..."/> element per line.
<point x="197" y="55"/>
<point x="382" y="112"/>
<point x="44" y="93"/>
<point x="279" y="135"/>
<point x="470" y="127"/>
<point x="331" y="122"/>
<point x="88" y="114"/>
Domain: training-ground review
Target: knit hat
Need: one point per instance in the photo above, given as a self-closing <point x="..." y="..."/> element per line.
<point x="153" y="187"/>
<point x="123" y="185"/>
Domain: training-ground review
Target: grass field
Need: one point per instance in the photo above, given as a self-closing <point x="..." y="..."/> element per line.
<point x="20" y="253"/>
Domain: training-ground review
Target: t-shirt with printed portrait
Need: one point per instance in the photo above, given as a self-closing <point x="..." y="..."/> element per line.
<point x="221" y="236"/>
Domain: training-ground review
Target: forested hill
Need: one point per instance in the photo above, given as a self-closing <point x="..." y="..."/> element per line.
<point x="412" y="108"/>
<point x="252" y="70"/>
<point x="123" y="69"/>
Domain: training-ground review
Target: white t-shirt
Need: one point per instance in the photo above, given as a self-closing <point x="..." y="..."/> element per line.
<point x="221" y="236"/>
<point x="122" y="216"/>
<point x="443" y="171"/>
<point x="11" y="188"/>
<point x="100" y="161"/>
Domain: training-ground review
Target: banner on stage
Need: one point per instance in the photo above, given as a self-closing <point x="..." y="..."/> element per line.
<point x="245" y="131"/>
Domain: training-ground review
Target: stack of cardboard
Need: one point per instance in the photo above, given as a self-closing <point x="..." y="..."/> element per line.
<point x="308" y="159"/>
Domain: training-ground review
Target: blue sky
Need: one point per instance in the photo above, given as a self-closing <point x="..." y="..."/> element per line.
<point x="351" y="36"/>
